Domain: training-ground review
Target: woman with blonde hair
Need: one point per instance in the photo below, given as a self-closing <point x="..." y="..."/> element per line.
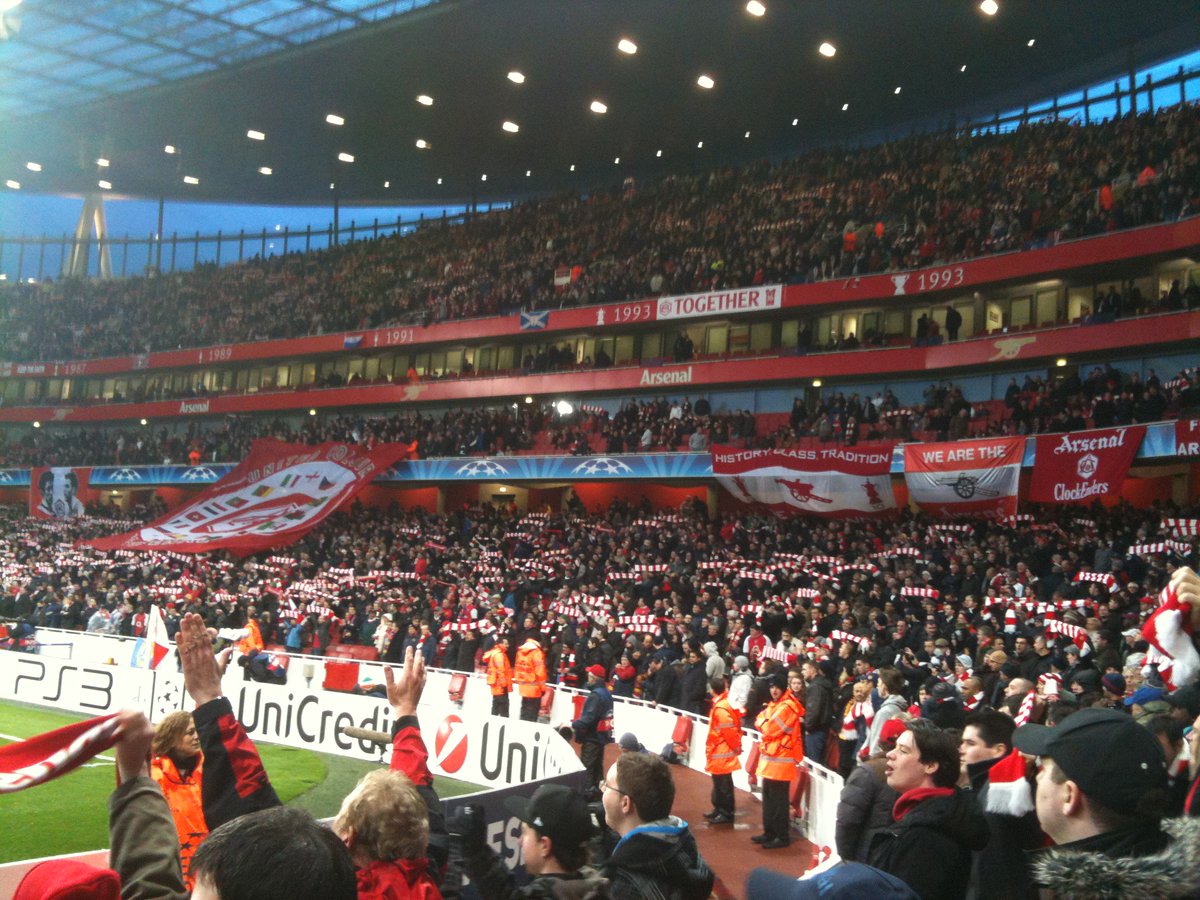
<point x="178" y="766"/>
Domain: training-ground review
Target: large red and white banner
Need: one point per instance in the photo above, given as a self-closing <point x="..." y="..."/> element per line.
<point x="720" y="303"/>
<point x="1187" y="437"/>
<point x="838" y="482"/>
<point x="1084" y="466"/>
<point x="275" y="496"/>
<point x="54" y="492"/>
<point x="979" y="479"/>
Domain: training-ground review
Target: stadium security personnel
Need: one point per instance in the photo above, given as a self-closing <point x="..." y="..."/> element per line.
<point x="721" y="751"/>
<point x="529" y="674"/>
<point x="499" y="676"/>
<point x="782" y="744"/>
<point x="593" y="729"/>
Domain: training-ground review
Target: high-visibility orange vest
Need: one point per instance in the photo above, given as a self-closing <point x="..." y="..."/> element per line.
<point x="724" y="744"/>
<point x="187" y="807"/>
<point x="251" y="642"/>
<point x="782" y="738"/>
<point x="529" y="673"/>
<point x="499" y="671"/>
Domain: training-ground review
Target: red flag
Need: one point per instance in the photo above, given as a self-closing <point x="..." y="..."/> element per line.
<point x="275" y="496"/>
<point x="1083" y="466"/>
<point x="54" y="753"/>
<point x="965" y="478"/>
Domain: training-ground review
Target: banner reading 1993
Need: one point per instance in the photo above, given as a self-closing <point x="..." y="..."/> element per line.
<point x="835" y="482"/>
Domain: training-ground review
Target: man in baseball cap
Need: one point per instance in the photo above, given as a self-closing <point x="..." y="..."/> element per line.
<point x="1101" y="793"/>
<point x="593" y="729"/>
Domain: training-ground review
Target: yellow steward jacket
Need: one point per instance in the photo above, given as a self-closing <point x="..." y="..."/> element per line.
<point x="499" y="671"/>
<point x="724" y="744"/>
<point x="529" y="673"/>
<point x="782" y="738"/>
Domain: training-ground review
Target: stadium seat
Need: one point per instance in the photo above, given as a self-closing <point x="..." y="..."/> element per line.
<point x="681" y="737"/>
<point x="340" y="676"/>
<point x="458" y="687"/>
<point x="752" y="766"/>
<point x="547" y="702"/>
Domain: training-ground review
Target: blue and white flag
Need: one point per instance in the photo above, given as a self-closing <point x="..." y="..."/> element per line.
<point x="535" y="321"/>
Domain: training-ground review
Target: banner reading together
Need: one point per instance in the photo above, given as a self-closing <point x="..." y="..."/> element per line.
<point x="835" y="482"/>
<point x="1084" y="466"/>
<point x="274" y="496"/>
<point x="965" y="478"/>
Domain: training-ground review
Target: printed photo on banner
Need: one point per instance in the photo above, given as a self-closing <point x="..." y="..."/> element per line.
<point x="55" y="491"/>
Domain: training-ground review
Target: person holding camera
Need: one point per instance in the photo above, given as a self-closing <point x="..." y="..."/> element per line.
<point x="556" y="827"/>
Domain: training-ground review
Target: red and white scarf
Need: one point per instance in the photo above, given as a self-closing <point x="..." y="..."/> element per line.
<point x="855" y="711"/>
<point x="54" y="753"/>
<point x="1169" y="633"/>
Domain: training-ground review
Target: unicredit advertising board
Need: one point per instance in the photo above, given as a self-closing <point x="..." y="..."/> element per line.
<point x="1084" y="465"/>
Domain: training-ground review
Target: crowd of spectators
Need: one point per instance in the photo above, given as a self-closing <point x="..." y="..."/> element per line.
<point x="826" y="214"/>
<point x="1104" y="397"/>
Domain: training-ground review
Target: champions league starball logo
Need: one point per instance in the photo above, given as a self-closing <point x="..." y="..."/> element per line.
<point x="124" y="475"/>
<point x="481" y="467"/>
<point x="199" y="473"/>
<point x="602" y="465"/>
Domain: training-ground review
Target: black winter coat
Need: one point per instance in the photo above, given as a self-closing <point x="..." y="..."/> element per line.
<point x="660" y="861"/>
<point x="864" y="809"/>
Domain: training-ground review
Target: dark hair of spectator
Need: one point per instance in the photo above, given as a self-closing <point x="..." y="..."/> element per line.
<point x="893" y="681"/>
<point x="276" y="854"/>
<point x="993" y="727"/>
<point x="646" y="780"/>
<point x="936" y="746"/>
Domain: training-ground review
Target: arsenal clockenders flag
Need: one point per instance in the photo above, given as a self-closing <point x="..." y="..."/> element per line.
<point x="979" y="479"/>
<point x="275" y="496"/>
<point x="1187" y="437"/>
<point x="835" y="482"/>
<point x="54" y="492"/>
<point x="1083" y="466"/>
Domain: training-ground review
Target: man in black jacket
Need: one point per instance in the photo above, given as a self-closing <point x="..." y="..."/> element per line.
<point x="818" y="711"/>
<point x="936" y="827"/>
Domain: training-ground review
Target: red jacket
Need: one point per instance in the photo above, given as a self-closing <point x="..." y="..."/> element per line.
<point x="404" y="879"/>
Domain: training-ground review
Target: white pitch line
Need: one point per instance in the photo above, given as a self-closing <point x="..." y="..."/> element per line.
<point x="103" y="759"/>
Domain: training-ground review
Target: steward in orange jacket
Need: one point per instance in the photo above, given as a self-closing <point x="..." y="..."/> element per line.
<point x="721" y="752"/>
<point x="178" y="767"/>
<point x="529" y="674"/>
<point x="499" y="676"/>
<point x="781" y="726"/>
<point x="253" y="642"/>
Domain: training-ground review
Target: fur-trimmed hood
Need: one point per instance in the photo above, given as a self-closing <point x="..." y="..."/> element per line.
<point x="1066" y="874"/>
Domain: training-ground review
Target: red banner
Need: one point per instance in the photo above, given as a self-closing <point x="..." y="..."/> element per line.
<point x="54" y="492"/>
<point x="1187" y="437"/>
<point x="979" y="479"/>
<point x="1085" y="466"/>
<point x="275" y="496"/>
<point x="838" y="482"/>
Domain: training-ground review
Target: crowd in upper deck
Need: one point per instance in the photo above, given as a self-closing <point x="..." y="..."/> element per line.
<point x="825" y="214"/>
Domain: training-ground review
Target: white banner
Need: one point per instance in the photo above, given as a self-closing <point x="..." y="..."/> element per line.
<point x="721" y="303"/>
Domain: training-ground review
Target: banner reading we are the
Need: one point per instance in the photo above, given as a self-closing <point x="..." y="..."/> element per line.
<point x="965" y="478"/>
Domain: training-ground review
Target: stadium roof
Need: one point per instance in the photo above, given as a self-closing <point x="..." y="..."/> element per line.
<point x="120" y="80"/>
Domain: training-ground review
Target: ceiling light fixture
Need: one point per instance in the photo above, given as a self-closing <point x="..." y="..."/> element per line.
<point x="897" y="90"/>
<point x="511" y="127"/>
<point x="439" y="181"/>
<point x="422" y="144"/>
<point x="483" y="177"/>
<point x="706" y="82"/>
<point x="334" y="119"/>
<point x="816" y="382"/>
<point x="1061" y="362"/>
<point x="256" y="135"/>
<point x="699" y="145"/>
<point x="625" y="45"/>
<point x="516" y="77"/>
<point x="572" y="167"/>
<point x="425" y="100"/>
<point x="598" y="107"/>
<point x="190" y="179"/>
<point x="827" y="50"/>
<point x="746" y="135"/>
<point x="265" y="170"/>
<point x="528" y="172"/>
<point x="989" y="7"/>
<point x="346" y="157"/>
<point x="755" y="8"/>
<point x="616" y="160"/>
<point x="659" y="154"/>
<point x="386" y="185"/>
<point x="845" y="106"/>
<point x="105" y="185"/>
<point x="331" y="185"/>
<point x="169" y="149"/>
<point x="795" y="122"/>
<point x="13" y="184"/>
<point x="103" y="163"/>
<point x="1032" y="41"/>
<point x="964" y="68"/>
<point x="33" y="167"/>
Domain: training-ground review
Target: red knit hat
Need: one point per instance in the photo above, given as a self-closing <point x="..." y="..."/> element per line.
<point x="68" y="879"/>
<point x="596" y="670"/>
<point x="891" y="730"/>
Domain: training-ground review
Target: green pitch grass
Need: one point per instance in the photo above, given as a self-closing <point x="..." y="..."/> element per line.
<point x="70" y="814"/>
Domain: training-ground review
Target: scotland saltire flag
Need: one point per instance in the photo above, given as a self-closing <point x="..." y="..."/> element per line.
<point x="535" y="321"/>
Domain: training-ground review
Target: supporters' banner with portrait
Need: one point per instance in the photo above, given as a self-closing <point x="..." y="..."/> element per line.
<point x="54" y="492"/>
<point x="836" y="482"/>
<point x="1187" y="437"/>
<point x="274" y="496"/>
<point x="965" y="478"/>
<point x="1084" y="466"/>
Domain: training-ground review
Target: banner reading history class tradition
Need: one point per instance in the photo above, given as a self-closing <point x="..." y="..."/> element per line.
<point x="54" y="492"/>
<point x="965" y="478"/>
<point x="273" y="497"/>
<point x="1083" y="466"/>
<point x="835" y="482"/>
